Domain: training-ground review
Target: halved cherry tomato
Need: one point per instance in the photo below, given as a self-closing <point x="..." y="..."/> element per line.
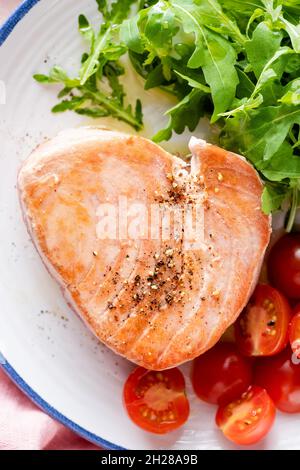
<point x="280" y="375"/>
<point x="262" y="329"/>
<point x="284" y="265"/>
<point x="156" y="401"/>
<point x="295" y="332"/>
<point x="248" y="419"/>
<point x="221" y="374"/>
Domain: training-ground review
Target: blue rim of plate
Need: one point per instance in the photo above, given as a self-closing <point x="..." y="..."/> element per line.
<point x="5" y="31"/>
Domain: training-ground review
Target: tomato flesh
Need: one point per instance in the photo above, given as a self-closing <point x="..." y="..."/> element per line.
<point x="295" y="333"/>
<point x="221" y="374"/>
<point x="262" y="328"/>
<point x="248" y="419"/>
<point x="156" y="401"/>
<point x="280" y="375"/>
<point x="284" y="265"/>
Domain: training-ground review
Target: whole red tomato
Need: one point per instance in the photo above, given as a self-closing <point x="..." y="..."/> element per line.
<point x="284" y="265"/>
<point x="221" y="374"/>
<point x="280" y="376"/>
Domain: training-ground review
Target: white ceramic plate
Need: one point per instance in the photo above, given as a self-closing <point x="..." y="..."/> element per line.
<point x="46" y="349"/>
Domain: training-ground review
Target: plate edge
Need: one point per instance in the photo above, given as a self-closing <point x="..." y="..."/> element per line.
<point x="5" y="30"/>
<point x="12" y="21"/>
<point x="52" y="412"/>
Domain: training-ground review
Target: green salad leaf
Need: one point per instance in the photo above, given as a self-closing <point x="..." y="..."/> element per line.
<point x="97" y="90"/>
<point x="235" y="61"/>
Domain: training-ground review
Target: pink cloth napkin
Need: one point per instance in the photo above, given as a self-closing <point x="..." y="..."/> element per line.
<point x="7" y="7"/>
<point x="24" y="427"/>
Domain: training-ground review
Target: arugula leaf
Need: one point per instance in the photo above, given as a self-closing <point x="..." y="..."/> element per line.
<point x="264" y="89"/>
<point x="258" y="13"/>
<point x="185" y="114"/>
<point x="294" y="33"/>
<point x="283" y="165"/>
<point x="213" y="54"/>
<point x="120" y="10"/>
<point x="292" y="93"/>
<point x="130" y="35"/>
<point x="57" y="75"/>
<point x="159" y="29"/>
<point x="84" y="94"/>
<point x="41" y="78"/>
<point x="103" y="8"/>
<point x="98" y="48"/>
<point x="86" y="29"/>
<point x="273" y="69"/>
<point x="262" y="47"/>
<point x="93" y="112"/>
<point x="102" y="45"/>
<point x="273" y="197"/>
<point x="292" y="7"/>
<point x="116" y="110"/>
<point x="115" y="12"/>
<point x="246" y="86"/>
<point x="241" y="7"/>
<point x="213" y="17"/>
<point x="69" y="105"/>
<point x="245" y="105"/>
<point x="273" y="9"/>
<point x="236" y="61"/>
<point x="260" y="134"/>
<point x="193" y="82"/>
<point x="276" y="14"/>
<point x="155" y="77"/>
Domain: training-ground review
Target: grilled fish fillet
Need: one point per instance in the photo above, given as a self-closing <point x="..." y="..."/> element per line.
<point x="156" y="300"/>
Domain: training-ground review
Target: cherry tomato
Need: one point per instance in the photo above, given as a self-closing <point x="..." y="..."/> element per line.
<point x="262" y="329"/>
<point x="284" y="265"/>
<point x="156" y="401"/>
<point x="221" y="374"/>
<point x="280" y="375"/>
<point x="248" y="419"/>
<point x="295" y="332"/>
